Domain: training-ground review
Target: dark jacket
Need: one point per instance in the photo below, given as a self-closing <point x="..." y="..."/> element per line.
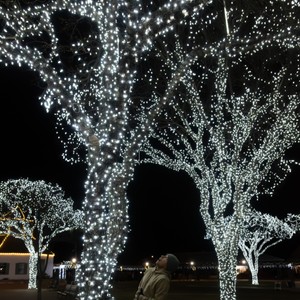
<point x="154" y="285"/>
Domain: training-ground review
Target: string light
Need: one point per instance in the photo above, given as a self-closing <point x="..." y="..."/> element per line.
<point x="86" y="54"/>
<point x="91" y="75"/>
<point x="231" y="116"/>
<point x="259" y="233"/>
<point x="35" y="212"/>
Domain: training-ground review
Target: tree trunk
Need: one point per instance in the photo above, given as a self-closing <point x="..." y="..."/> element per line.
<point x="39" y="278"/>
<point x="105" y="237"/>
<point x="253" y="265"/>
<point x="227" y="251"/>
<point x="227" y="277"/>
<point x="33" y="265"/>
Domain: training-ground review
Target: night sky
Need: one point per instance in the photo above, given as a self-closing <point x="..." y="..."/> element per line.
<point x="163" y="204"/>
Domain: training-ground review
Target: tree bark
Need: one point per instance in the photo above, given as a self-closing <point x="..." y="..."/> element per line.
<point x="227" y="252"/>
<point x="33" y="262"/>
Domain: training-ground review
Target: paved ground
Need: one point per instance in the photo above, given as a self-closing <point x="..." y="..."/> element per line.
<point x="180" y="290"/>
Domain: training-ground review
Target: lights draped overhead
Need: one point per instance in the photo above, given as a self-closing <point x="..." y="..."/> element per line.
<point x="108" y="72"/>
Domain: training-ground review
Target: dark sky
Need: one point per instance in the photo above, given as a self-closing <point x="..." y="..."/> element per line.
<point x="164" y="205"/>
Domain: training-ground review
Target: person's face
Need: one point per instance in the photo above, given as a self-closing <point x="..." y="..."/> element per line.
<point x="162" y="262"/>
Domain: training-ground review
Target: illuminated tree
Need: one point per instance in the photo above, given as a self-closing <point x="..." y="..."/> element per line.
<point x="35" y="212"/>
<point x="87" y="54"/>
<point x="235" y="112"/>
<point x="259" y="233"/>
<point x="293" y="221"/>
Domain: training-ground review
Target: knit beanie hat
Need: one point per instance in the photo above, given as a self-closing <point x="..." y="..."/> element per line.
<point x="172" y="263"/>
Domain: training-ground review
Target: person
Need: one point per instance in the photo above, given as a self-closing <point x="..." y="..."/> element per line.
<point x="155" y="283"/>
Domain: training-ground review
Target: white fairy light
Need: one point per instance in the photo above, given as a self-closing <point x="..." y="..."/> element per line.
<point x="35" y="212"/>
<point x="259" y="233"/>
<point x="91" y="88"/>
<point x="231" y="114"/>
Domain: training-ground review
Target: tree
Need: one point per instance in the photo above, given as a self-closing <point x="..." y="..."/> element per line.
<point x="87" y="54"/>
<point x="259" y="233"/>
<point x="293" y="221"/>
<point x="233" y="116"/>
<point x="35" y="212"/>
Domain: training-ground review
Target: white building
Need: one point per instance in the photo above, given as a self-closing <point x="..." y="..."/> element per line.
<point x="14" y="266"/>
<point x="14" y="261"/>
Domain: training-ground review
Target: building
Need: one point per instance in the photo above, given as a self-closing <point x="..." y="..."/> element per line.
<point x="14" y="260"/>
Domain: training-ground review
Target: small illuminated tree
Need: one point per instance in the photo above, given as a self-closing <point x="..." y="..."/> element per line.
<point x="259" y="233"/>
<point x="35" y="212"/>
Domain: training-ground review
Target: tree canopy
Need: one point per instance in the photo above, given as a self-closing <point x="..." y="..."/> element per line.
<point x="108" y="73"/>
<point x="35" y="212"/>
